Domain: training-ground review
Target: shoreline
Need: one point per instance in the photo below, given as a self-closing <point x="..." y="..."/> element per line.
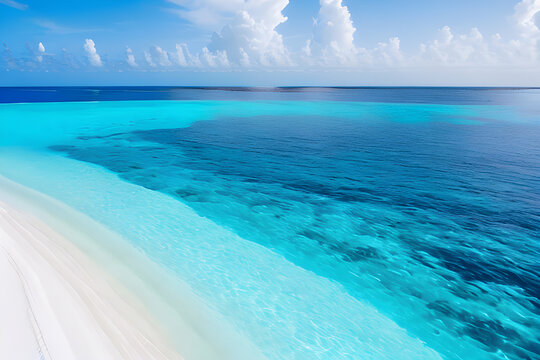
<point x="77" y="290"/>
<point x="62" y="304"/>
<point x="178" y="264"/>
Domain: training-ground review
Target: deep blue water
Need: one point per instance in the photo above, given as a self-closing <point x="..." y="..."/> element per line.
<point x="423" y="95"/>
<point x="434" y="222"/>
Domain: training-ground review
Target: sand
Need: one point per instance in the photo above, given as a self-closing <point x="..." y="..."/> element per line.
<point x="57" y="305"/>
<point x="73" y="289"/>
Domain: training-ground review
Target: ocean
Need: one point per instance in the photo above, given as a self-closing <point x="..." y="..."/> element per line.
<point x="322" y="223"/>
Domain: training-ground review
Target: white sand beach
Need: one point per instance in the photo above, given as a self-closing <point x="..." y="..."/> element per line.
<point x="71" y="289"/>
<point x="57" y="305"/>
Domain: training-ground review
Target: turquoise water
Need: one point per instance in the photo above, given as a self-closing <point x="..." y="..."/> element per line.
<point x="320" y="229"/>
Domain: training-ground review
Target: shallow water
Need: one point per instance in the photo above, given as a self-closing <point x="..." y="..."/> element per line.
<point x="425" y="209"/>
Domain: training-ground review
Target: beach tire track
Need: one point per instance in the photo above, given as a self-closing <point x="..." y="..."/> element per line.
<point x="44" y="353"/>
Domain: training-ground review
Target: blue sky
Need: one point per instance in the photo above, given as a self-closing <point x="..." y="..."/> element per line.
<point x="270" y="42"/>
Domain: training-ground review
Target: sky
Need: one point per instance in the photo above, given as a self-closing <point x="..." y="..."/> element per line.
<point x="270" y="42"/>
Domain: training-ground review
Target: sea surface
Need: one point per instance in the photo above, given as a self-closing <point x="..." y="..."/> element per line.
<point x="323" y="223"/>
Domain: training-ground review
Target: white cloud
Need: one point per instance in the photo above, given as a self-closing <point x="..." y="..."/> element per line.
<point x="212" y="14"/>
<point x="160" y="56"/>
<point x="476" y="50"/>
<point x="184" y="57"/>
<point x="526" y="18"/>
<point x="91" y="52"/>
<point x="41" y="51"/>
<point x="14" y="4"/>
<point x="387" y="53"/>
<point x="251" y="38"/>
<point x="333" y="35"/>
<point x="244" y="58"/>
<point x="157" y="56"/>
<point x="460" y="50"/>
<point x="333" y="43"/>
<point x="130" y="58"/>
<point x="219" y="58"/>
<point x="148" y="59"/>
<point x="181" y="54"/>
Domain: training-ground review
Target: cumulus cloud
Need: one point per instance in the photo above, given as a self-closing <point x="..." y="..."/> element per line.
<point x="251" y="38"/>
<point x="160" y="56"/>
<point x="148" y="59"/>
<point x="474" y="49"/>
<point x="157" y="56"/>
<point x="248" y="37"/>
<point x="387" y="53"/>
<point x="36" y="53"/>
<point x="91" y="53"/>
<point x="218" y="58"/>
<point x="333" y="43"/>
<point x="184" y="57"/>
<point x="527" y="17"/>
<point x="130" y="58"/>
<point x="460" y="50"/>
<point x="41" y="51"/>
<point x="527" y="21"/>
<point x="333" y="35"/>
<point x="181" y="55"/>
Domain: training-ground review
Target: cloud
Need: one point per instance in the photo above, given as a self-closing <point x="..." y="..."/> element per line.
<point x="53" y="27"/>
<point x="387" y="53"/>
<point x="219" y="58"/>
<point x="476" y="50"/>
<point x="41" y="51"/>
<point x="36" y="54"/>
<point x="248" y="37"/>
<point x="251" y="38"/>
<point x="184" y="57"/>
<point x="68" y="61"/>
<point x="211" y="14"/>
<point x="14" y="4"/>
<point x="526" y="18"/>
<point x="56" y="28"/>
<point x="333" y="35"/>
<point x="91" y="53"/>
<point x="460" y="50"/>
<point x="160" y="56"/>
<point x="130" y="58"/>
<point x="333" y="42"/>
<point x="11" y="62"/>
<point x="148" y="59"/>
